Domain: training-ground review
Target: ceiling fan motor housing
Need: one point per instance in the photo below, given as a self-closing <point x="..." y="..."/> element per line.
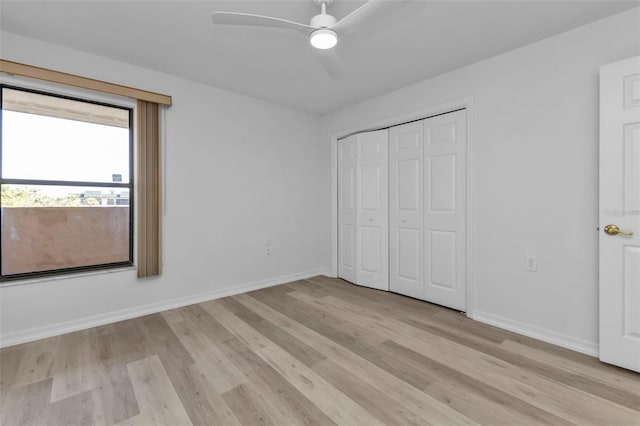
<point x="323" y="21"/>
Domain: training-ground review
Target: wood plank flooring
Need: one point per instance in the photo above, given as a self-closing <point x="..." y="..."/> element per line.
<point x="311" y="352"/>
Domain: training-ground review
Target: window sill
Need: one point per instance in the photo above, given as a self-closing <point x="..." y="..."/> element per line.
<point x="70" y="276"/>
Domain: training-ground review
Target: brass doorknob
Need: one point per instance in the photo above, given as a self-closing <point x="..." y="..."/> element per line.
<point x="614" y="230"/>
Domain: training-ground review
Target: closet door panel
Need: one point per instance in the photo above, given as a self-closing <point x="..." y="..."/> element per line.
<point x="372" y="244"/>
<point x="405" y="209"/>
<point x="408" y="254"/>
<point x="445" y="209"/>
<point x="442" y="183"/>
<point x="407" y="185"/>
<point x="347" y="209"/>
<point x="442" y="259"/>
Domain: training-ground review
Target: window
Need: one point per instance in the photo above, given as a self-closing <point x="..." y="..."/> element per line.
<point x="66" y="183"/>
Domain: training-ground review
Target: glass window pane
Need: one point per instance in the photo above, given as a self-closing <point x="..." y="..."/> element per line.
<point x="51" y="138"/>
<point x="53" y="227"/>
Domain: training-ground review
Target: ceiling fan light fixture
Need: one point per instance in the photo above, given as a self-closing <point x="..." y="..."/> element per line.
<point x="323" y="38"/>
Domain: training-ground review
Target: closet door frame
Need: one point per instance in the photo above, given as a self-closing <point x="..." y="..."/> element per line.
<point x="466" y="103"/>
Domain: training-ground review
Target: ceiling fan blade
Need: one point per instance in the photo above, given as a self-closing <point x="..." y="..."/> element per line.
<point x="366" y="14"/>
<point x="234" y="18"/>
<point x="332" y="64"/>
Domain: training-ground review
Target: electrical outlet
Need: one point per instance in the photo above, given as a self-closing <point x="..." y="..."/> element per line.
<point x="267" y="251"/>
<point x="531" y="263"/>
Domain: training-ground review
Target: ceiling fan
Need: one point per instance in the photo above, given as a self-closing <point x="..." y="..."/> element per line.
<point x="323" y="30"/>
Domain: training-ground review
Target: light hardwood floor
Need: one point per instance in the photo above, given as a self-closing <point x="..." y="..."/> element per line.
<point x="317" y="351"/>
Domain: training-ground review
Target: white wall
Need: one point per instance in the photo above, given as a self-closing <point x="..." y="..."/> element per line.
<point x="237" y="169"/>
<point x="535" y="173"/>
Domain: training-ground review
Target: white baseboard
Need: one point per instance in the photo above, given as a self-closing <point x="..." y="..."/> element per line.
<point x="51" y="330"/>
<point x="569" y="342"/>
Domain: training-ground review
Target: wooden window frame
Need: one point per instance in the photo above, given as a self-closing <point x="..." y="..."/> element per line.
<point x="43" y="74"/>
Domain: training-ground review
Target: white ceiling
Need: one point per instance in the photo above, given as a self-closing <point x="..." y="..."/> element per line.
<point x="423" y="39"/>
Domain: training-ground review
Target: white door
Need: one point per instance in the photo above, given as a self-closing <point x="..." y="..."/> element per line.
<point x="347" y="209"/>
<point x="372" y="189"/>
<point x="620" y="207"/>
<point x="405" y="209"/>
<point x="445" y="165"/>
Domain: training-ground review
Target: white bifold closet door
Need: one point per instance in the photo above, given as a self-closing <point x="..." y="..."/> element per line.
<point x="347" y="208"/>
<point x="405" y="213"/>
<point x="445" y="199"/>
<point x="428" y="209"/>
<point x="363" y="217"/>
